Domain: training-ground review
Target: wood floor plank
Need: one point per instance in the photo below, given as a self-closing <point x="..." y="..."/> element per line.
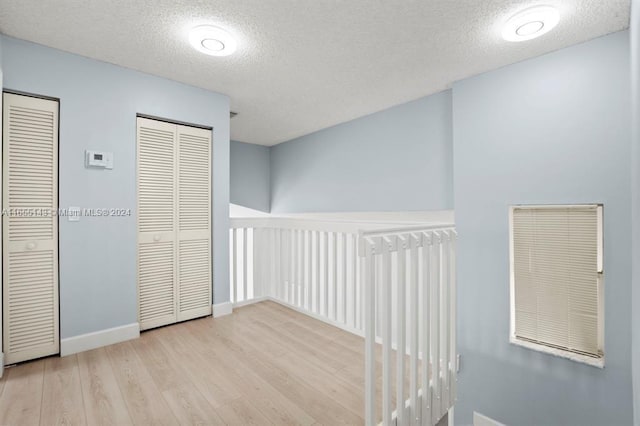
<point x="145" y="403"/>
<point x="310" y="345"/>
<point x="306" y="321"/>
<point x="214" y="383"/>
<point x="271" y="403"/>
<point x="334" y="343"/>
<point x="190" y="408"/>
<point x="312" y="400"/>
<point x="103" y="400"/>
<point x="312" y="337"/>
<point x="253" y="329"/>
<point x="186" y="402"/>
<point x="22" y="397"/>
<point x="3" y="380"/>
<point x="319" y="375"/>
<point x="264" y="364"/>
<point x="243" y="412"/>
<point x="351" y="341"/>
<point x="62" y="402"/>
<point x="332" y="386"/>
<point x="164" y="372"/>
<point x="265" y="309"/>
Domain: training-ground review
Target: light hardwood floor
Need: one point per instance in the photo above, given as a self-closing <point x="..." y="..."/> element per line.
<point x="264" y="364"/>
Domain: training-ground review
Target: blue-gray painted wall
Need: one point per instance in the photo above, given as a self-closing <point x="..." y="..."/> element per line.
<point x="635" y="191"/>
<point x="397" y="159"/>
<point x="1" y="272"/>
<point x="250" y="176"/>
<point x="551" y="130"/>
<point x="98" y="106"/>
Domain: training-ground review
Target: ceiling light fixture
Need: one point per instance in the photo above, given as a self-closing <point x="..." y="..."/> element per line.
<point x="212" y="40"/>
<point x="530" y="23"/>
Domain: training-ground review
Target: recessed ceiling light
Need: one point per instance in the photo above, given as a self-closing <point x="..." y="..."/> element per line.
<point x="530" y="28"/>
<point x="213" y="44"/>
<point x="212" y="40"/>
<point x="530" y="23"/>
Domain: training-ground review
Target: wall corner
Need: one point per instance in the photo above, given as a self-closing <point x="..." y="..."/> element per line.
<point x="634" y="34"/>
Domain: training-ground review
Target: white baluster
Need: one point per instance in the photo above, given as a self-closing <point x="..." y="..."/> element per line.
<point x="446" y="344"/>
<point x="385" y="283"/>
<point x="435" y="361"/>
<point x="257" y="263"/>
<point x="401" y="299"/>
<point x="300" y="262"/>
<point x="245" y="261"/>
<point x="369" y="286"/>
<point x="280" y="261"/>
<point x="334" y="287"/>
<point x="308" y="283"/>
<point x="413" y="332"/>
<point x="234" y="241"/>
<point x="317" y="266"/>
<point x="294" y="272"/>
<point x="452" y="317"/>
<point x="325" y="308"/>
<point x="426" y="328"/>
<point x="354" y="280"/>
<point x="344" y="278"/>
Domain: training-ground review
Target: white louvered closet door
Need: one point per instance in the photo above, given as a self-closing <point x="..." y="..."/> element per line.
<point x="194" y="222"/>
<point x="174" y="222"/>
<point x="156" y="223"/>
<point x="30" y="228"/>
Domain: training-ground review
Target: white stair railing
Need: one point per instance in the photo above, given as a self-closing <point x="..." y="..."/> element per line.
<point x="395" y="287"/>
<point x="409" y="288"/>
<point x="310" y="266"/>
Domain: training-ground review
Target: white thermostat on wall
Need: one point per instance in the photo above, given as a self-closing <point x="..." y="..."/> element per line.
<point x="99" y="159"/>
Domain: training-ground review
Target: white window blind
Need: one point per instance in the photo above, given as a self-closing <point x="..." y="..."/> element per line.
<point x="556" y="266"/>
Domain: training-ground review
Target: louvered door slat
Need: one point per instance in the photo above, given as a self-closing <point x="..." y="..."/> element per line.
<point x="30" y="227"/>
<point x="194" y="218"/>
<point x="156" y="223"/>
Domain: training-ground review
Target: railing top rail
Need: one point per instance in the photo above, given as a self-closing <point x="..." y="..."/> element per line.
<point x="363" y="227"/>
<point x="405" y="229"/>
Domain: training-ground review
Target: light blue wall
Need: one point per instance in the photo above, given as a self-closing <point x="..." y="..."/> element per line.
<point x="250" y="176"/>
<point x="635" y="191"/>
<point x="1" y="274"/>
<point x="98" y="106"/>
<point x="554" y="129"/>
<point x="397" y="159"/>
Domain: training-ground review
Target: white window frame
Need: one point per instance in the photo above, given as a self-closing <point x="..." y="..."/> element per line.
<point x="540" y="347"/>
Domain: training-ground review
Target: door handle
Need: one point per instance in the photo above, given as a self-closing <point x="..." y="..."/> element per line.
<point x="156" y="237"/>
<point x="31" y="245"/>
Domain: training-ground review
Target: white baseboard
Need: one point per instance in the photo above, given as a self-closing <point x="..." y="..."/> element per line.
<point x="302" y="311"/>
<point x="319" y="317"/>
<point x="482" y="420"/>
<point x="97" y="339"/>
<point x="251" y="301"/>
<point x="222" y="309"/>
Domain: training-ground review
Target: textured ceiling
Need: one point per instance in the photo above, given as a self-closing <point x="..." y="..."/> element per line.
<point x="303" y="65"/>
